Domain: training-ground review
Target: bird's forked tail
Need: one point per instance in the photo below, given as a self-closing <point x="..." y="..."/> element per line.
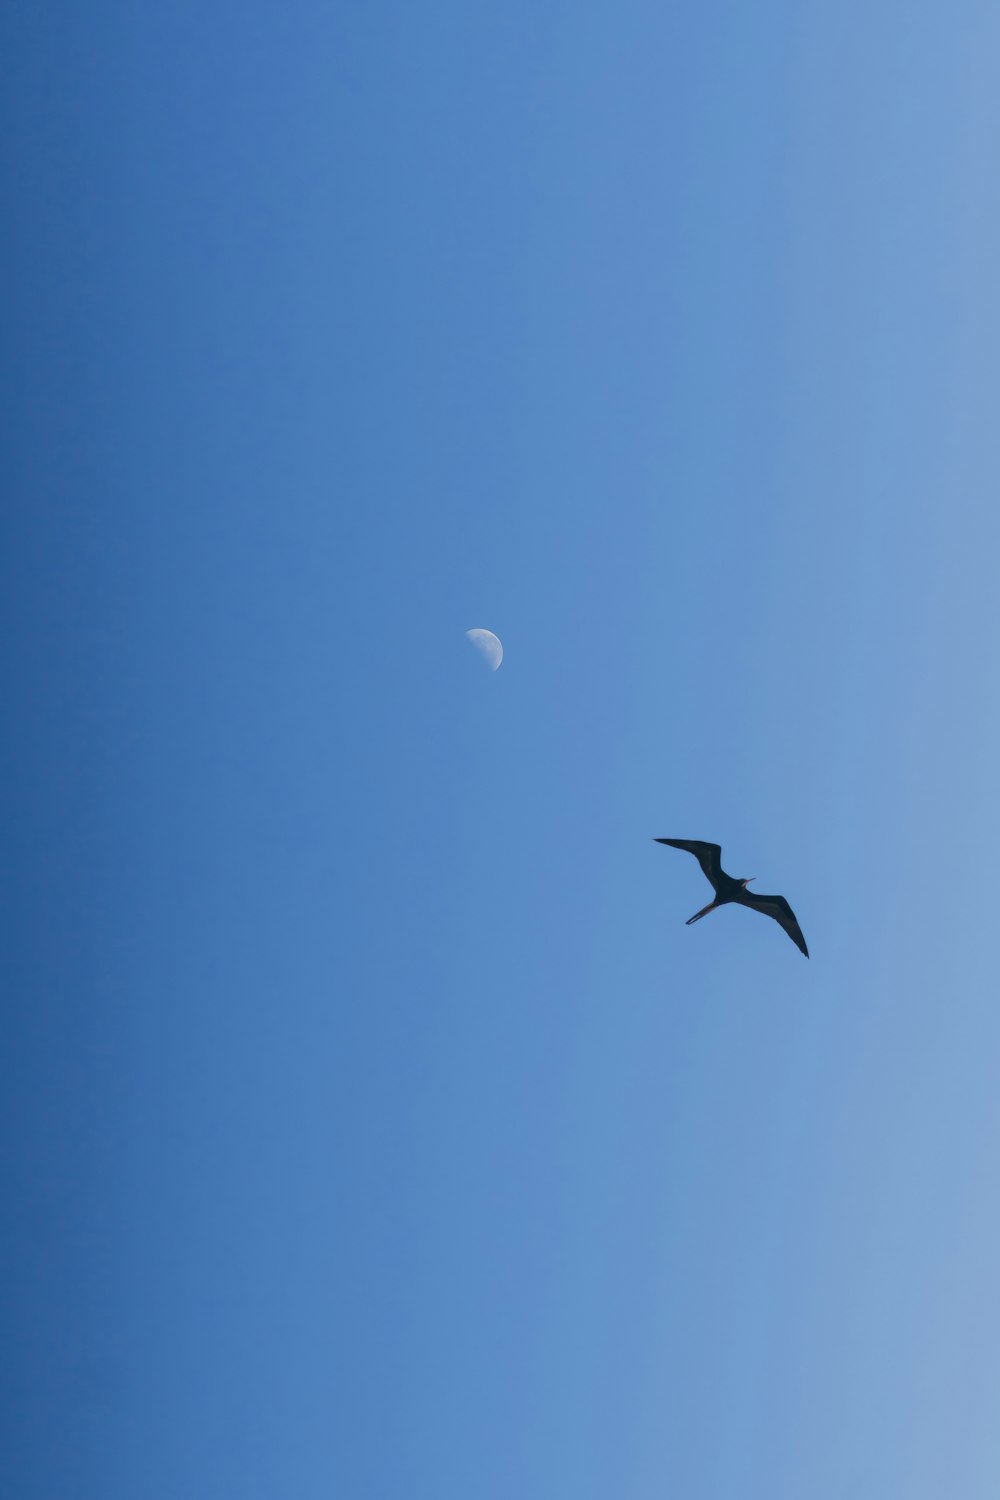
<point x="704" y="912"/>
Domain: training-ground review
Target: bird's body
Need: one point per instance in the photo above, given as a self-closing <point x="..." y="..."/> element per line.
<point x="728" y="890"/>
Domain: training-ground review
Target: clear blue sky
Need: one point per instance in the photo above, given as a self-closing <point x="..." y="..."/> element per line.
<point x="372" y="1125"/>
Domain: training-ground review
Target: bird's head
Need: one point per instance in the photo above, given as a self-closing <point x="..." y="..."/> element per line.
<point x="745" y="883"/>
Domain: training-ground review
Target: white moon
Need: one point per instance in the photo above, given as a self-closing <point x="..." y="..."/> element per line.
<point x="489" y="644"/>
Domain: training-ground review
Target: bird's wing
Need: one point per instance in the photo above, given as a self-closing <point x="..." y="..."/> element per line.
<point x="709" y="856"/>
<point x="778" y="908"/>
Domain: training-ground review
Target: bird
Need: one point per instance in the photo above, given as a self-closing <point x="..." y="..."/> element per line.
<point x="709" y="856"/>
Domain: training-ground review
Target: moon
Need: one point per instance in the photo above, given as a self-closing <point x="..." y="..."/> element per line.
<point x="489" y="644"/>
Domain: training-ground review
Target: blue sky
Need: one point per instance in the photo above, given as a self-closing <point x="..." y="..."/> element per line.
<point x="372" y="1123"/>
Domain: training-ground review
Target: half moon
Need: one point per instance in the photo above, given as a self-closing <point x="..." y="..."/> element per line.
<point x="489" y="644"/>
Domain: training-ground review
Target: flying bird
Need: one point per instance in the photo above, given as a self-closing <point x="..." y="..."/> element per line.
<point x="709" y="856"/>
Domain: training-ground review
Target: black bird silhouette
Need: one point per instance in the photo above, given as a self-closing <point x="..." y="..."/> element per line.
<point x="709" y="856"/>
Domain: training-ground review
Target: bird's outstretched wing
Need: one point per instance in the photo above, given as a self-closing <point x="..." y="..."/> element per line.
<point x="778" y="908"/>
<point x="709" y="856"/>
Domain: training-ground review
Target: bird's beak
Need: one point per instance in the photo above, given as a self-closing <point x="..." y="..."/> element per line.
<point x="752" y="878"/>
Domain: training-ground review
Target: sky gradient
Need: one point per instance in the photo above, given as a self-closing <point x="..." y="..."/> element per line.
<point x="372" y="1125"/>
